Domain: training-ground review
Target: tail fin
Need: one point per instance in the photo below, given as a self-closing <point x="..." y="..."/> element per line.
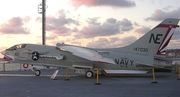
<point x="154" y="42"/>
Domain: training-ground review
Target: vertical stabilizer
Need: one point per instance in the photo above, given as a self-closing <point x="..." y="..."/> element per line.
<point x="155" y="41"/>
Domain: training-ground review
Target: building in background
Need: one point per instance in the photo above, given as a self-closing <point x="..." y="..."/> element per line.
<point x="173" y="53"/>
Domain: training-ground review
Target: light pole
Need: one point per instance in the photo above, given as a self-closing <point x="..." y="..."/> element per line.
<point x="42" y="10"/>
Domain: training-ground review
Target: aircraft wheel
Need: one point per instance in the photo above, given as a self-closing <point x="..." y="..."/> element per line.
<point x="37" y="72"/>
<point x="89" y="74"/>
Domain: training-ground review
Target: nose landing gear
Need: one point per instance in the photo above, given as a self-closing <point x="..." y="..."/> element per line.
<point x="36" y="72"/>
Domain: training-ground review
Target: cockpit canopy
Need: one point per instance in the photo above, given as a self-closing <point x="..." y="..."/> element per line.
<point x="15" y="47"/>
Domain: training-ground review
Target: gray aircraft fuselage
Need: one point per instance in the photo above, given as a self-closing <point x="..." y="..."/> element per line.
<point x="48" y="54"/>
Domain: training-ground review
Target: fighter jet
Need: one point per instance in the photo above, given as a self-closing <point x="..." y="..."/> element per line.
<point x="131" y="59"/>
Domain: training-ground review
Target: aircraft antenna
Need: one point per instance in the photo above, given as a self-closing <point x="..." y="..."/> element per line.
<point x="42" y="10"/>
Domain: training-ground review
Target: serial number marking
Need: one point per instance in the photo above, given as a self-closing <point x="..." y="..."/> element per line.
<point x="141" y="49"/>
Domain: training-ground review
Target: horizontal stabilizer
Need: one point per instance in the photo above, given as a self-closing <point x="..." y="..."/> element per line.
<point x="162" y="58"/>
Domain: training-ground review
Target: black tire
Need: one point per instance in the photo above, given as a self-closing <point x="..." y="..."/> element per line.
<point x="89" y="74"/>
<point x="37" y="72"/>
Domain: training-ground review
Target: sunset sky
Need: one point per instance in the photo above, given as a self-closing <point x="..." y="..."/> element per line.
<point x="89" y="23"/>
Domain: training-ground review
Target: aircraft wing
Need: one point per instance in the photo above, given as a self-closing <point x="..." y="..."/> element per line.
<point x="87" y="54"/>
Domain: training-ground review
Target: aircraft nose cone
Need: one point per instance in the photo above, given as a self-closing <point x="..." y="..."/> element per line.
<point x="3" y="52"/>
<point x="8" y="58"/>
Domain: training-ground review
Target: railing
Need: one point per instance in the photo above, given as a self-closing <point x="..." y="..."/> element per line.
<point x="20" y="67"/>
<point x="12" y="67"/>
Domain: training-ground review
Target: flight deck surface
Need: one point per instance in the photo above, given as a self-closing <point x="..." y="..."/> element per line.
<point x="26" y="84"/>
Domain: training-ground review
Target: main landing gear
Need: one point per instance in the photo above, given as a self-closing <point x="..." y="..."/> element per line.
<point x="89" y="74"/>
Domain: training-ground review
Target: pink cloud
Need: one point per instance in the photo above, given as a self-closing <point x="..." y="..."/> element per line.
<point x="160" y="15"/>
<point x="109" y="27"/>
<point x="14" y="26"/>
<point x="115" y="3"/>
<point x="57" y="25"/>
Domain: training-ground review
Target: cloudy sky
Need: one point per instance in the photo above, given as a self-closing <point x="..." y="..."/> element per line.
<point x="89" y="23"/>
